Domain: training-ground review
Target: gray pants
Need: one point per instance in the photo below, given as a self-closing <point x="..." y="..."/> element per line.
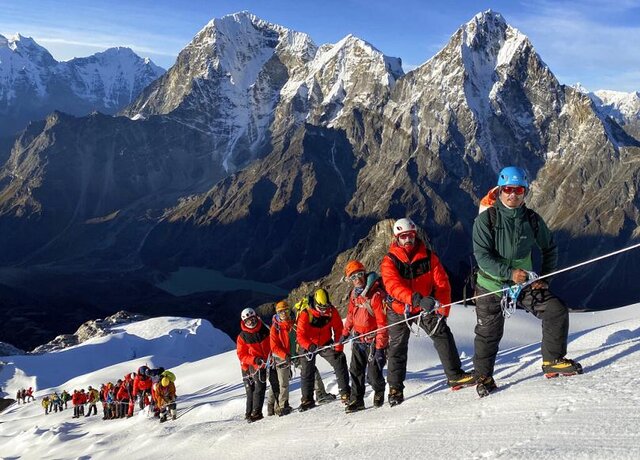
<point x="279" y="397"/>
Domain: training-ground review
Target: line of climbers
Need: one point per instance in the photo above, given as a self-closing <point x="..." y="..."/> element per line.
<point x="25" y="395"/>
<point x="414" y="290"/>
<point x="148" y="387"/>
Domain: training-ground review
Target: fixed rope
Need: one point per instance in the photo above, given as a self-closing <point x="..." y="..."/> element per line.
<point x="407" y="319"/>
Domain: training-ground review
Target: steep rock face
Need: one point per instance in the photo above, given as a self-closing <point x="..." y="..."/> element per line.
<point x="33" y="83"/>
<point x="283" y="215"/>
<point x="226" y="83"/>
<point x="445" y="129"/>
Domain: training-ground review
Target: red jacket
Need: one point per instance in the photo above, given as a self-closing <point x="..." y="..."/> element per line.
<point x="252" y="344"/>
<point x="76" y="398"/>
<point x="319" y="328"/>
<point x="279" y="338"/>
<point x="423" y="273"/>
<point x="125" y="390"/>
<point x="141" y="383"/>
<point x="366" y="314"/>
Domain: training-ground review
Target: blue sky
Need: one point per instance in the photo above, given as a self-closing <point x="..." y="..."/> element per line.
<point x="590" y="41"/>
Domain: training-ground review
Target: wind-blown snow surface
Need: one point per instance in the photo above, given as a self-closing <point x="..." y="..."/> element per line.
<point x="595" y="415"/>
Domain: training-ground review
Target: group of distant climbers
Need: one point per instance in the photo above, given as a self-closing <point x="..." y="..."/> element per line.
<point x="24" y="395"/>
<point x="413" y="289"/>
<point x="149" y="387"/>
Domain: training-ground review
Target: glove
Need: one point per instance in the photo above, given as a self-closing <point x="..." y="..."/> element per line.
<point x="519" y="276"/>
<point x="428" y="304"/>
<point x="380" y="358"/>
<point x="312" y="348"/>
<point x="259" y="362"/>
<point x="344" y="339"/>
<point x="542" y="284"/>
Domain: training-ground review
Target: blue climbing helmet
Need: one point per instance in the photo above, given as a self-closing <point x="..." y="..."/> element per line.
<point x="512" y="175"/>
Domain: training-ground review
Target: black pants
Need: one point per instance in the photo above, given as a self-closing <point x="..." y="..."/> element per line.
<point x="443" y="342"/>
<point x="95" y="409"/>
<point x="337" y="360"/>
<point x="255" y="387"/>
<point x="490" y="326"/>
<point x="360" y="353"/>
<point x="142" y="395"/>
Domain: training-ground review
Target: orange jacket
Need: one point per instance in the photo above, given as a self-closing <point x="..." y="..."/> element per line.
<point x="317" y="328"/>
<point x="279" y="338"/>
<point x="164" y="395"/>
<point x="366" y="314"/>
<point x="251" y="344"/>
<point x="423" y="273"/>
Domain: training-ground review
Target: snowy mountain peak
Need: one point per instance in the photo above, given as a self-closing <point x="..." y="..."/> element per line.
<point x="622" y="107"/>
<point x="33" y="83"/>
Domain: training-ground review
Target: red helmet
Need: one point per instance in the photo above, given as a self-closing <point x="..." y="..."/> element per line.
<point x="352" y="267"/>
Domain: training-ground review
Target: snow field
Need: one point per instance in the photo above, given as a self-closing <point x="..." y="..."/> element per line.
<point x="595" y="415"/>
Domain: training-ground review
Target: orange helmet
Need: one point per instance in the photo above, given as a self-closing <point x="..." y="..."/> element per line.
<point x="352" y="267"/>
<point x="282" y="305"/>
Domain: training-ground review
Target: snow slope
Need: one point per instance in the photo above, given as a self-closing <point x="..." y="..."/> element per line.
<point x="595" y="415"/>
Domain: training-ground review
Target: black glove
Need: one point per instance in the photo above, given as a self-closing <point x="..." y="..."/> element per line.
<point x="259" y="361"/>
<point x="312" y="348"/>
<point x="380" y="358"/>
<point x="428" y="304"/>
<point x="344" y="339"/>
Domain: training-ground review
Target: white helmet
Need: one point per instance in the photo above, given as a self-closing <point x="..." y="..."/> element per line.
<point x="404" y="225"/>
<point x="247" y="313"/>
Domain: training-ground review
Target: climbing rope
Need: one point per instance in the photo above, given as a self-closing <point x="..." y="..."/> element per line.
<point x="499" y="291"/>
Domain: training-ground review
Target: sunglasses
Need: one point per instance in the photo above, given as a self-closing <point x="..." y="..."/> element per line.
<point x="517" y="189"/>
<point x="355" y="276"/>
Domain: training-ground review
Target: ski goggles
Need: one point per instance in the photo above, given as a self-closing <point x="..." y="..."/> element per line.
<point x="407" y="236"/>
<point x="517" y="189"/>
<point x="283" y="314"/>
<point x="355" y="276"/>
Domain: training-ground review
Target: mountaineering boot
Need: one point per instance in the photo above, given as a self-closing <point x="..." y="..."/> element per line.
<point x="174" y="414"/>
<point x="325" y="398"/>
<point x="561" y="366"/>
<point x="354" y="406"/>
<point x="307" y="404"/>
<point x="378" y="398"/>
<point x="395" y="396"/>
<point x="163" y="417"/>
<point x="485" y="386"/>
<point x="255" y="416"/>
<point x="466" y="379"/>
<point x="270" y="410"/>
<point x="344" y="397"/>
<point x="286" y="410"/>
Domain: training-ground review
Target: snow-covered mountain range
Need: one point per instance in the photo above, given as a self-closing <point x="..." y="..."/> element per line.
<point x="266" y="157"/>
<point x="590" y="416"/>
<point x="33" y="83"/>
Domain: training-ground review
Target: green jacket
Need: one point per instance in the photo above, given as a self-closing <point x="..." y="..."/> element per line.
<point x="509" y="246"/>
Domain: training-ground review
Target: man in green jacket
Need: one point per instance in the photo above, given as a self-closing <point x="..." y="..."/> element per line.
<point x="503" y="237"/>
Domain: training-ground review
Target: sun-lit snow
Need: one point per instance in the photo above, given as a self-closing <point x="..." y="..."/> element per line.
<point x="594" y="415"/>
